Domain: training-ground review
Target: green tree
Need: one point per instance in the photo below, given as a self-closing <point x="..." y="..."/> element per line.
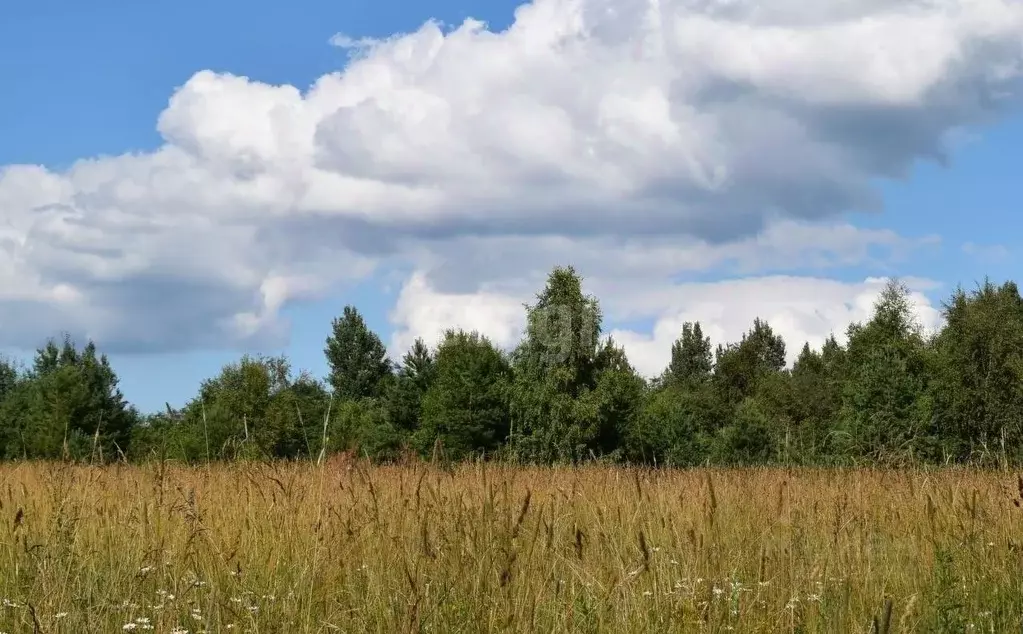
<point x="252" y="408"/>
<point x="69" y="405"/>
<point x="741" y="366"/>
<point x="363" y="426"/>
<point x="359" y="367"/>
<point x="8" y="377"/>
<point x="675" y="426"/>
<point x="816" y="398"/>
<point x="412" y="381"/>
<point x="465" y="408"/>
<point x="978" y="376"/>
<point x="748" y="439"/>
<point x="616" y="400"/>
<point x="691" y="358"/>
<point x="886" y="410"/>
<point x="559" y="365"/>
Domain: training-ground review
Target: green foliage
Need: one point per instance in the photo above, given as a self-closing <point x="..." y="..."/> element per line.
<point x="253" y="408"/>
<point x="886" y="411"/>
<point x="977" y="380"/>
<point x="747" y="439"/>
<point x="567" y="392"/>
<point x="816" y="397"/>
<point x="357" y="358"/>
<point x="465" y="408"/>
<point x="675" y="427"/>
<point x="413" y="379"/>
<point x="67" y="405"/>
<point x="555" y="365"/>
<point x="574" y="395"/>
<point x="617" y="398"/>
<point x="362" y="426"/>
<point x="8" y="377"/>
<point x="741" y="366"/>
<point x="691" y="358"/>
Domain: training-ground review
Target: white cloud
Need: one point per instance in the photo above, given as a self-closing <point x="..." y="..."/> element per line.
<point x="422" y="311"/>
<point x="801" y="309"/>
<point x="987" y="252"/>
<point x="587" y="121"/>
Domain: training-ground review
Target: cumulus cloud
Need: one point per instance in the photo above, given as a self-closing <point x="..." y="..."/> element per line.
<point x="424" y="312"/>
<point x="624" y="123"/>
<point x="801" y="309"/>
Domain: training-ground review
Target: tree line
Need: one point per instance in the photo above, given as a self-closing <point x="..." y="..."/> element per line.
<point x="891" y="394"/>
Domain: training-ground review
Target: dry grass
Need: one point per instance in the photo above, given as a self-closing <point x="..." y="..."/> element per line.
<point x="350" y="548"/>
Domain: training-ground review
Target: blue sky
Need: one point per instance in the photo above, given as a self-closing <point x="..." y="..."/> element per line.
<point x="88" y="82"/>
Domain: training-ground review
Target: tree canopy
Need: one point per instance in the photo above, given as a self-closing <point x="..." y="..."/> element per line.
<point x="887" y="393"/>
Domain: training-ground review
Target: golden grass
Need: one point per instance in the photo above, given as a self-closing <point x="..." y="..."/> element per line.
<point x="351" y="548"/>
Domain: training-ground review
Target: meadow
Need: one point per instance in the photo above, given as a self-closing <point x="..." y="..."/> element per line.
<point x="349" y="547"/>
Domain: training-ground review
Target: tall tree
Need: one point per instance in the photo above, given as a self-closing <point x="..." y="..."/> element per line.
<point x="359" y="367"/>
<point x="615" y="401"/>
<point x="555" y="364"/>
<point x="8" y="383"/>
<point x="886" y="412"/>
<point x="691" y="357"/>
<point x="978" y="378"/>
<point x="562" y="334"/>
<point x="466" y="405"/>
<point x="414" y="378"/>
<point x="69" y="404"/>
<point x="816" y="398"/>
<point x="8" y="377"/>
<point x="741" y="366"/>
<point x="563" y="407"/>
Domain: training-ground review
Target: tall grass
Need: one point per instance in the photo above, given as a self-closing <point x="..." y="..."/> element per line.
<point x="346" y="547"/>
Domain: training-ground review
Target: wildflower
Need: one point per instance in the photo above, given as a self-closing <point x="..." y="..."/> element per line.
<point x="129" y="626"/>
<point x="60" y="615"/>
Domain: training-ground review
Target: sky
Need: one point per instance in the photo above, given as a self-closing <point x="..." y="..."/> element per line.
<point x="187" y="182"/>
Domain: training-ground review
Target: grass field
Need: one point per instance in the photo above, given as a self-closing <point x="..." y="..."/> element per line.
<point x="346" y="547"/>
